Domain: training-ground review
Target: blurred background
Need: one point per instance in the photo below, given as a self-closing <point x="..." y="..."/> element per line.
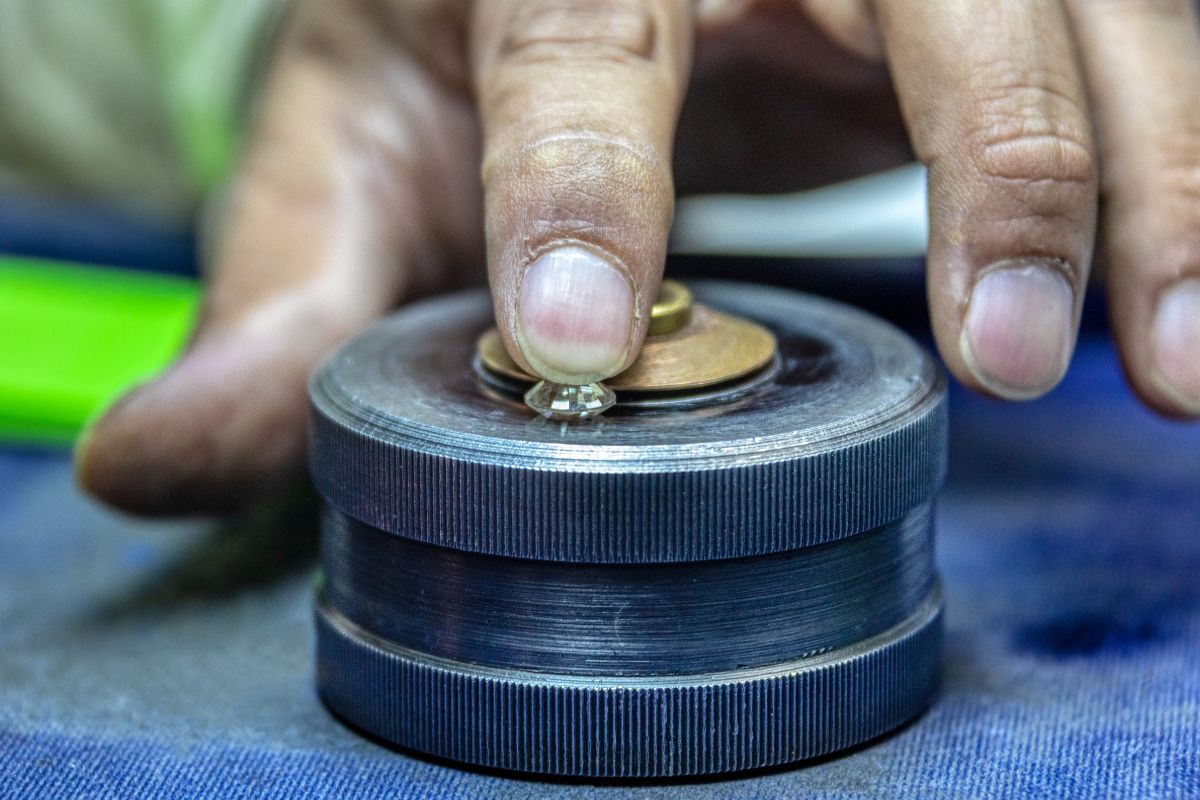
<point x="120" y="122"/>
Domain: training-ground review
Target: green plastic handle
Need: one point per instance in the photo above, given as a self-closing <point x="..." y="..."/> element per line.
<point x="74" y="337"/>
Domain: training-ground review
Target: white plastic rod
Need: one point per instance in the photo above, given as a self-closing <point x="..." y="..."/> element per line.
<point x="876" y="216"/>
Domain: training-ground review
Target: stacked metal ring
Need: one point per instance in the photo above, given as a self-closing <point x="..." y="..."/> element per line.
<point x="730" y="581"/>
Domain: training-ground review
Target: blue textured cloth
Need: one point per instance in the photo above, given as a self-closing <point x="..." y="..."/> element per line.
<point x="174" y="660"/>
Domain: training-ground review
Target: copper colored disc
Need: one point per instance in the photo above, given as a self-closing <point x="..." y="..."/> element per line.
<point x="712" y="348"/>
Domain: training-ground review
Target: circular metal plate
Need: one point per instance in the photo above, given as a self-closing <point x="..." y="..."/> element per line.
<point x="627" y="619"/>
<point x="630" y="727"/>
<point x="847" y="435"/>
<point x="714" y="348"/>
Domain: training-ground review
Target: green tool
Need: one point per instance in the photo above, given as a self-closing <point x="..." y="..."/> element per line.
<point x="73" y="337"/>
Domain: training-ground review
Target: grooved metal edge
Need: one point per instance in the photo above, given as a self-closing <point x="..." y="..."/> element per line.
<point x="623" y="619"/>
<point x="630" y="516"/>
<point x="630" y="727"/>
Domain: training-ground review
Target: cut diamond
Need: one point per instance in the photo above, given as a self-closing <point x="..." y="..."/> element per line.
<point x="570" y="402"/>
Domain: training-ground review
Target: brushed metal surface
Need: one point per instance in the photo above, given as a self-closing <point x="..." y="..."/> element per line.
<point x="627" y="619"/>
<point x="714" y="348"/>
<point x="849" y="434"/>
<point x="741" y="581"/>
<point x="630" y="728"/>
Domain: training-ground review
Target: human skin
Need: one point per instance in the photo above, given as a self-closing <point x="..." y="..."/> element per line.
<point x="401" y="145"/>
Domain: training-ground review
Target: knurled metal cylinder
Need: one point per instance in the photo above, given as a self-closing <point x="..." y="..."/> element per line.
<point x="725" y="582"/>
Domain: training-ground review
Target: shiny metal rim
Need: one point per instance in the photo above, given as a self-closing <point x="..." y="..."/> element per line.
<point x="627" y="619"/>
<point x="849" y="435"/>
<point x="629" y="727"/>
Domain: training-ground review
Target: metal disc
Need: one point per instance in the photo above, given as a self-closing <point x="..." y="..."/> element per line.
<point x="713" y="348"/>
<point x="848" y="434"/>
<point x="630" y="727"/>
<point x="627" y="619"/>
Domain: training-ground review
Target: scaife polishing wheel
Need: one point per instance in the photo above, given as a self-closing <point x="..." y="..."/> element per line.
<point x="705" y="578"/>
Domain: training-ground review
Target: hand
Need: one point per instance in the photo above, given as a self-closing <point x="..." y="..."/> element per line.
<point x="361" y="189"/>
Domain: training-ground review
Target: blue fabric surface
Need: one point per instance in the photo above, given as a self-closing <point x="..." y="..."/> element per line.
<point x="174" y="660"/>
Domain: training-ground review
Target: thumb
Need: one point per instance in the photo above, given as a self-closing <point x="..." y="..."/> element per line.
<point x="337" y="213"/>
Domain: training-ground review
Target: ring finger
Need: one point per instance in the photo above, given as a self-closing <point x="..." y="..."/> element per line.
<point x="1143" y="64"/>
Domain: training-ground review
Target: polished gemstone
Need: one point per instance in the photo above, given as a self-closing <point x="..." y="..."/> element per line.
<point x="570" y="402"/>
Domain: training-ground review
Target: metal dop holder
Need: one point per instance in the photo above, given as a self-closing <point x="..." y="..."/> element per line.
<point x="703" y="579"/>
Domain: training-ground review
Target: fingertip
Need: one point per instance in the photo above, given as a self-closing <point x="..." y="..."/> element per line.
<point x="130" y="458"/>
<point x="102" y="452"/>
<point x="1175" y="338"/>
<point x="219" y="430"/>
<point x="1019" y="328"/>
<point x="576" y="316"/>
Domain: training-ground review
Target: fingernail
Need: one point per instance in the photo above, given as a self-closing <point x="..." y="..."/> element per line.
<point x="1177" y="344"/>
<point x="574" y="315"/>
<point x="1017" y="335"/>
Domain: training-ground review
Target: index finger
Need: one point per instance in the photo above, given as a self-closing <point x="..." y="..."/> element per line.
<point x="578" y="102"/>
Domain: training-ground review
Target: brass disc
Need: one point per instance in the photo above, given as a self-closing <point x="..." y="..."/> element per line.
<point x="710" y="348"/>
<point x="672" y="309"/>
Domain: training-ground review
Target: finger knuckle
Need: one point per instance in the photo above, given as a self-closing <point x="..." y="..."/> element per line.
<point x="618" y="30"/>
<point x="581" y="180"/>
<point x="601" y="163"/>
<point x="1030" y="129"/>
<point x="1033" y="157"/>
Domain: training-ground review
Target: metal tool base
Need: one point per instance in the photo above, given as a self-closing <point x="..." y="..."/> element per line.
<point x="630" y="727"/>
<point x="711" y="585"/>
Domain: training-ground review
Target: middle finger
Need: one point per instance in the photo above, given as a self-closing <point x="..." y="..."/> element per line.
<point x="994" y="102"/>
